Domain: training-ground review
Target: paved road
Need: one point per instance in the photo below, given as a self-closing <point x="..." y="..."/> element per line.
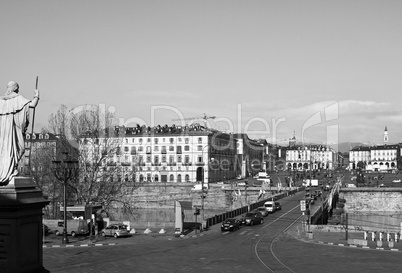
<point x="261" y="248"/>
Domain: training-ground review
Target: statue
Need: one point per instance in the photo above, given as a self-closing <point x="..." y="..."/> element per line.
<point x="14" y="120"/>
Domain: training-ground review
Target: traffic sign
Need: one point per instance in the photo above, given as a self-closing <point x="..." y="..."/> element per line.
<point x="303" y="205"/>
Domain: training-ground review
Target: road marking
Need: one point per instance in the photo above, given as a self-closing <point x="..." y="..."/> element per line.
<point x="274" y="239"/>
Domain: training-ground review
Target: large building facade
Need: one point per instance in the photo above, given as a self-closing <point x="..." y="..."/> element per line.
<point x="179" y="154"/>
<point x="303" y="157"/>
<point x="381" y="158"/>
<point x="311" y="157"/>
<point x="37" y="147"/>
<point x="378" y="158"/>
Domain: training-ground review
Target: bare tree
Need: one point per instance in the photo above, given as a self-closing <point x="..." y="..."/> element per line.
<point x="43" y="153"/>
<point x="105" y="175"/>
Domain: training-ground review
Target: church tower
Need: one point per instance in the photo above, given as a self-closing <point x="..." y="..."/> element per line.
<point x="385" y="136"/>
<point x="292" y="141"/>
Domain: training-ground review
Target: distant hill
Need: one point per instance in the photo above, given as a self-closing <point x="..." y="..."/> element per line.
<point x="346" y="146"/>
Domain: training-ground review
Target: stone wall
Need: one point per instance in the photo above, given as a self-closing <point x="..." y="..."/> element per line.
<point x="154" y="203"/>
<point x="163" y="196"/>
<point x="371" y="200"/>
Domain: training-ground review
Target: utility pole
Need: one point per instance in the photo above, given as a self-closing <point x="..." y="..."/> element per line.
<point x="202" y="195"/>
<point x="346" y="229"/>
<point x="245" y="190"/>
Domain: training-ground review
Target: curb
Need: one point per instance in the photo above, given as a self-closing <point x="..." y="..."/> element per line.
<point x="306" y="240"/>
<point x="193" y="236"/>
<point x="352" y="246"/>
<point x="80" y="245"/>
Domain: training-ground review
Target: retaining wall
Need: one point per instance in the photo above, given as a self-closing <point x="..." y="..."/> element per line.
<point x="371" y="200"/>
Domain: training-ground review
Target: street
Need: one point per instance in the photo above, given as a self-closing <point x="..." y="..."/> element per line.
<point x="260" y="248"/>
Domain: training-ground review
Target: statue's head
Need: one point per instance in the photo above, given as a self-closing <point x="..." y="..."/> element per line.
<point x="12" y="87"/>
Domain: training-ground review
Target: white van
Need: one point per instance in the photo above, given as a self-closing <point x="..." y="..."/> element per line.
<point x="74" y="227"/>
<point x="270" y="206"/>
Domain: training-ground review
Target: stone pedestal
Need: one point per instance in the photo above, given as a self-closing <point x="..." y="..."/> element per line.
<point x="21" y="204"/>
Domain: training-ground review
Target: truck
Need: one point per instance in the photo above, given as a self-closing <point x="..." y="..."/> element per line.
<point x="264" y="177"/>
<point x="198" y="187"/>
<point x="310" y="182"/>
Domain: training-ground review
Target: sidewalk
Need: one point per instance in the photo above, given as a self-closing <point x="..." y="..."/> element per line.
<point x="84" y="241"/>
<point x="355" y="239"/>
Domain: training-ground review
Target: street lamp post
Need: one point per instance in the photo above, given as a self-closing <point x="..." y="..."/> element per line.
<point x="202" y="182"/>
<point x="64" y="170"/>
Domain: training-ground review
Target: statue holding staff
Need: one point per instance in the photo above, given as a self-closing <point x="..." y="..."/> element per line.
<point x="14" y="120"/>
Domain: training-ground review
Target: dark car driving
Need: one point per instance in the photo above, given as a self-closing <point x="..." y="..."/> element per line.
<point x="278" y="206"/>
<point x="252" y="218"/>
<point x="230" y="224"/>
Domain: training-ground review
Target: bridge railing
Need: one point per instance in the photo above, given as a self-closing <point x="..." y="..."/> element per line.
<point x="239" y="211"/>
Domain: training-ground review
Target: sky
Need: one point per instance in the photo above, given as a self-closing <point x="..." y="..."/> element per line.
<point x="324" y="71"/>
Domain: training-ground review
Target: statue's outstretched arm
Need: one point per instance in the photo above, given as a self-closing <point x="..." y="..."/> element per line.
<point x="35" y="99"/>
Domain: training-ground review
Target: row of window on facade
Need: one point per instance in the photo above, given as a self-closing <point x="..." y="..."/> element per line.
<point x="375" y="163"/>
<point x="307" y="166"/>
<point x="40" y="136"/>
<point x="293" y="157"/>
<point x="157" y="140"/>
<point x="374" y="159"/>
<point x="133" y="160"/>
<point x="148" y="159"/>
<point x="163" y="150"/>
<point x="148" y="149"/>
<point x="153" y="178"/>
<point x="217" y="142"/>
<point x="147" y="140"/>
<point x="376" y="153"/>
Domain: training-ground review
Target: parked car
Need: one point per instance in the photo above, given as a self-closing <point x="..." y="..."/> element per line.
<point x="115" y="230"/>
<point x="252" y="218"/>
<point x="278" y="206"/>
<point x="263" y="211"/>
<point x="230" y="224"/>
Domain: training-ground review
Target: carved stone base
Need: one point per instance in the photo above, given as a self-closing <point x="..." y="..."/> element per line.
<point x="21" y="204"/>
